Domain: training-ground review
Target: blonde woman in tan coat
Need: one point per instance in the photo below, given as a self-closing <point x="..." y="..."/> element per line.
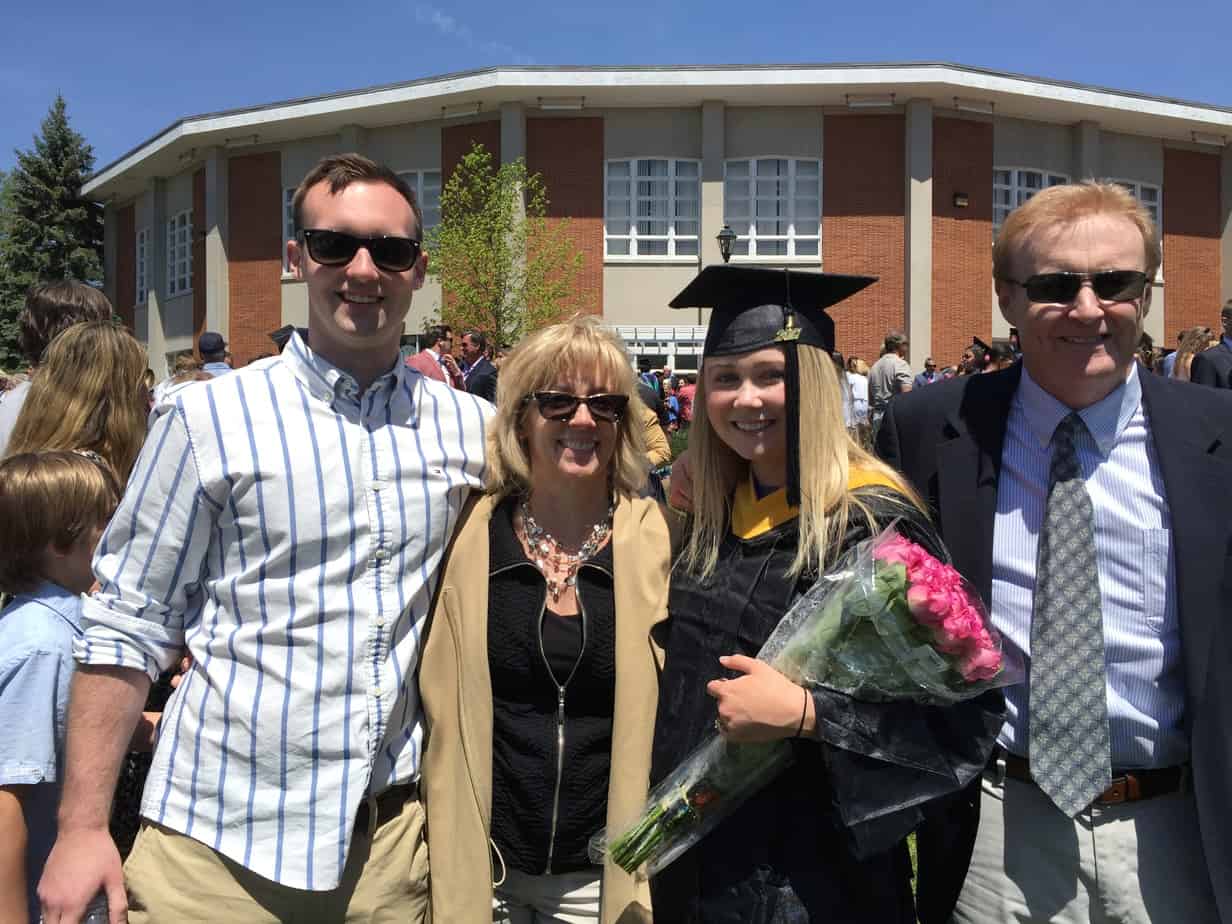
<point x="539" y="679"/>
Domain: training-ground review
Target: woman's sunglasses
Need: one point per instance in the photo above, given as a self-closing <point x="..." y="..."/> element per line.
<point x="1063" y="288"/>
<point x="337" y="248"/>
<point x="558" y="405"/>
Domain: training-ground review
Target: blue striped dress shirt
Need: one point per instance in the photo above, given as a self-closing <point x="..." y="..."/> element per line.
<point x="1137" y="582"/>
<point x="288" y="530"/>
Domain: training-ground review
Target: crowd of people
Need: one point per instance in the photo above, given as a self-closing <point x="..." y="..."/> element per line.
<point x="423" y="626"/>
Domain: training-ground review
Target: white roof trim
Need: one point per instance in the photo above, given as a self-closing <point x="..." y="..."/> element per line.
<point x="962" y="80"/>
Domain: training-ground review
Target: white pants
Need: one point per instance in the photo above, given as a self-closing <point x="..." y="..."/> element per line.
<point x="567" y="898"/>
<point x="1135" y="863"/>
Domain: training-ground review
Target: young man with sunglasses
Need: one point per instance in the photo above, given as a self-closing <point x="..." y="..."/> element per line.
<point x="286" y="524"/>
<point x="1087" y="502"/>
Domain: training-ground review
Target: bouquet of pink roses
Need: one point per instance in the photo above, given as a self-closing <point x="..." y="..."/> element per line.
<point x="889" y="622"/>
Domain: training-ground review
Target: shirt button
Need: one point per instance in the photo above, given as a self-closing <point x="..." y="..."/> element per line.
<point x="381" y="554"/>
<point x="377" y="486"/>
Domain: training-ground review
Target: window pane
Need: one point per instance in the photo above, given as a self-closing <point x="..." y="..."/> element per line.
<point x="811" y="188"/>
<point x="771" y="248"/>
<point x="617" y="226"/>
<point x="772" y="188"/>
<point x="1001" y="177"/>
<point x="770" y="208"/>
<point x="808" y="208"/>
<point x="737" y="169"/>
<point x="686" y="208"/>
<point x="685" y="228"/>
<point x="431" y="217"/>
<point x="741" y="248"/>
<point x="652" y="168"/>
<point x="655" y="188"/>
<point x="771" y="227"/>
<point x="618" y="168"/>
<point x="618" y="248"/>
<point x="740" y="227"/>
<point x="645" y="228"/>
<point x="686" y="189"/>
<point x="805" y="168"/>
<point x="772" y="168"/>
<point x="737" y="208"/>
<point x="618" y="188"/>
<point x="686" y="248"/>
<point x="808" y="226"/>
<point x="652" y="248"/>
<point x="686" y="168"/>
<point x="806" y="248"/>
<point x="652" y="208"/>
<point x="618" y="208"/>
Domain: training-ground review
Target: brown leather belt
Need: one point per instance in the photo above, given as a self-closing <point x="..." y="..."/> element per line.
<point x="374" y="811"/>
<point x="1127" y="785"/>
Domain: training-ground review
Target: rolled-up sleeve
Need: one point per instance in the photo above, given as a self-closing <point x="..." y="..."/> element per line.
<point x="151" y="560"/>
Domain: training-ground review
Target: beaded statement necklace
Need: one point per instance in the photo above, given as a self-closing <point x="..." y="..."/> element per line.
<point x="548" y="555"/>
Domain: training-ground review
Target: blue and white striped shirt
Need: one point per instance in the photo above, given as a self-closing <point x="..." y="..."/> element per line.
<point x="288" y="530"/>
<point x="1133" y="550"/>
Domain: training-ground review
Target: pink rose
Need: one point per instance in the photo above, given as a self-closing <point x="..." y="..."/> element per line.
<point x="981" y="664"/>
<point x="895" y="550"/>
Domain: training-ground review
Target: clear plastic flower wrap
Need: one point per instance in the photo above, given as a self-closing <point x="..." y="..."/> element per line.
<point x="889" y="622"/>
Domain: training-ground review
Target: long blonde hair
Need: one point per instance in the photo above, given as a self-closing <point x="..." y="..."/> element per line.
<point x="88" y="393"/>
<point x="827" y="457"/>
<point x="580" y="344"/>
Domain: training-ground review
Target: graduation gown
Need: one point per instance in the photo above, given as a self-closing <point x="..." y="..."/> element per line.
<point x="825" y="841"/>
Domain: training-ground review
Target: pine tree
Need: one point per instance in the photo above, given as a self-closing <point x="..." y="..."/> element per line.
<point x="47" y="230"/>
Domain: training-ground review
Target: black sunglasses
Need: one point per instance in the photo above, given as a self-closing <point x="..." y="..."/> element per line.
<point x="558" y="405"/>
<point x="1063" y="288"/>
<point x="337" y="248"/>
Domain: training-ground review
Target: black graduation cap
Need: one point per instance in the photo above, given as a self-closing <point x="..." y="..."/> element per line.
<point x="756" y="307"/>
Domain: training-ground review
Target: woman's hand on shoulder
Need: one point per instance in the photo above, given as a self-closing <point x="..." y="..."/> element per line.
<point x="761" y="705"/>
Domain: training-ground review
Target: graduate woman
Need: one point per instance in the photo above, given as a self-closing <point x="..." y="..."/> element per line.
<point x="780" y="491"/>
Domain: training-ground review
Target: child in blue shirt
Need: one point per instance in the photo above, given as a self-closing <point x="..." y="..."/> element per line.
<point x="53" y="507"/>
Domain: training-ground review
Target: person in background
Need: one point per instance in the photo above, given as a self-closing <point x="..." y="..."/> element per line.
<point x="89" y="393"/>
<point x="671" y="404"/>
<point x="1087" y="502"/>
<point x="1214" y="366"/>
<point x="890" y="376"/>
<point x="1146" y="351"/>
<point x="998" y="356"/>
<point x="54" y="506"/>
<point x="972" y="362"/>
<point x="540" y="670"/>
<point x="477" y="372"/>
<point x="436" y="359"/>
<point x="688" y="387"/>
<point x="1168" y="362"/>
<point x="50" y="308"/>
<point x="214" y="357"/>
<point x="1194" y="340"/>
<point x="185" y="361"/>
<point x="929" y="375"/>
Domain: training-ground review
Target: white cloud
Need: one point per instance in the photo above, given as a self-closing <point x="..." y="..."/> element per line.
<point x="449" y="26"/>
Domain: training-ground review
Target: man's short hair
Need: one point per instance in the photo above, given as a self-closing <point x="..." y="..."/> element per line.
<point x="340" y="171"/>
<point x="52" y="307"/>
<point x="48" y="497"/>
<point x="1226" y="310"/>
<point x="436" y="333"/>
<point x="894" y="341"/>
<point x="930" y="362"/>
<point x="1064" y="205"/>
<point x="477" y="338"/>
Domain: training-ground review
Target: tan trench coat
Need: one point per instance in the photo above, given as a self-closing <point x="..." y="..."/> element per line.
<point x="456" y="694"/>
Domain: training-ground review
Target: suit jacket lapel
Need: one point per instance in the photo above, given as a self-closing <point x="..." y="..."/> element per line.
<point x="1196" y="467"/>
<point x="968" y="464"/>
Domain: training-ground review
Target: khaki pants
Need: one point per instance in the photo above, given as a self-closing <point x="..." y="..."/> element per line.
<point x="171" y="877"/>
<point x="1136" y="863"/>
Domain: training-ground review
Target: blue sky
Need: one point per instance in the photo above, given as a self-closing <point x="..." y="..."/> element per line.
<point x="129" y="69"/>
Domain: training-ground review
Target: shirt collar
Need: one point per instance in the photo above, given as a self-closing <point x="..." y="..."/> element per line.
<point x="328" y="383"/>
<point x="1106" y="419"/>
<point x="64" y="603"/>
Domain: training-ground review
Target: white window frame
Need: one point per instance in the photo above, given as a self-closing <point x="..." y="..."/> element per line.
<point x="179" y="254"/>
<point x="288" y="226"/>
<point x="750" y="238"/>
<point x="1135" y="187"/>
<point x="427" y="194"/>
<point x="142" y="265"/>
<point x="1018" y="191"/>
<point x="626" y="226"/>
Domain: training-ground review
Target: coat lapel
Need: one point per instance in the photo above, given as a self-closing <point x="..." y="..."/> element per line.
<point x="1195" y="462"/>
<point x="968" y="464"/>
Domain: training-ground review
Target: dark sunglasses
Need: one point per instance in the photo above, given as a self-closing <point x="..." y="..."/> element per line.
<point x="337" y="248"/>
<point x="1063" y="288"/>
<point x="557" y="405"/>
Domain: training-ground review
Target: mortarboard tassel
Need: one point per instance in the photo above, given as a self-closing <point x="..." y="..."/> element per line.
<point x="793" y="423"/>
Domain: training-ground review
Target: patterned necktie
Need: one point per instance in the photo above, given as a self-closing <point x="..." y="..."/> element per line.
<point x="1070" y="751"/>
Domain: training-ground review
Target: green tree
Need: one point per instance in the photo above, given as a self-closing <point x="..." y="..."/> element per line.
<point x="47" y="230"/>
<point x="505" y="267"/>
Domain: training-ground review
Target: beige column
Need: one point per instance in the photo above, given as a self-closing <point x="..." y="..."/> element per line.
<point x="512" y="132"/>
<point x="1225" y="240"/>
<point x="1087" y="163"/>
<point x="156" y="338"/>
<point x="714" y="151"/>
<point x="918" y="230"/>
<point x="217" y="288"/>
<point x="111" y="240"/>
<point x="353" y="138"/>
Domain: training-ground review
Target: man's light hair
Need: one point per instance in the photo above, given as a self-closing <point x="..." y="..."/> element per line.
<point x="1058" y="206"/>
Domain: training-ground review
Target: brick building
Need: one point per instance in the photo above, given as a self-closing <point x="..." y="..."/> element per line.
<point x="903" y="171"/>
